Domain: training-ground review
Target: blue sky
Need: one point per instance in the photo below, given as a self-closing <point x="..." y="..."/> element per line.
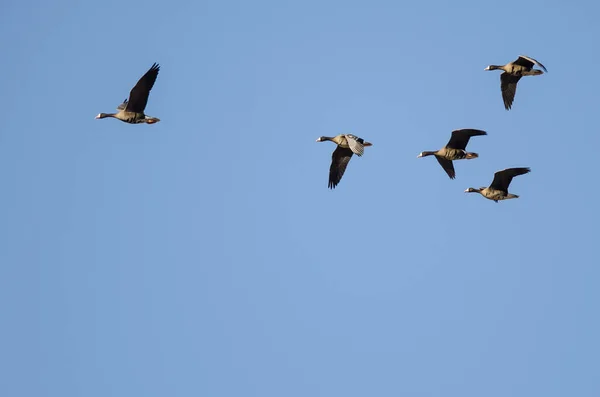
<point x="205" y="256"/>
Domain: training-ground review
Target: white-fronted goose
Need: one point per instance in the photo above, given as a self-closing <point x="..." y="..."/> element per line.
<point x="347" y="145"/>
<point x="455" y="149"/>
<point x="132" y="110"/>
<point x="513" y="72"/>
<point x="498" y="190"/>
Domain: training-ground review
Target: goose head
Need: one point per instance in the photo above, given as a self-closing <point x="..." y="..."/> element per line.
<point x="493" y="67"/>
<point x="425" y="154"/>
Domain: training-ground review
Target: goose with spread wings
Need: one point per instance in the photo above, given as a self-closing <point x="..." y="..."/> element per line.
<point x="347" y="145"/>
<point x="498" y="190"/>
<point x="513" y="72"/>
<point x="132" y="110"/>
<point x="455" y="149"/>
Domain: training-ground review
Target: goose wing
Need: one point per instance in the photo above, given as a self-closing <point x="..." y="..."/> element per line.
<point x="447" y="166"/>
<point x="503" y="178"/>
<point x="138" y="96"/>
<point x="460" y="138"/>
<point x="356" y="144"/>
<point x="339" y="161"/>
<point x="123" y="105"/>
<point x="528" y="62"/>
<point x="508" y="85"/>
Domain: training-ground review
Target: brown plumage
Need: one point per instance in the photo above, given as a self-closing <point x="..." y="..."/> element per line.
<point x="455" y="149"/>
<point x="513" y="72"/>
<point x="132" y="109"/>
<point x="347" y="145"/>
<point x="498" y="189"/>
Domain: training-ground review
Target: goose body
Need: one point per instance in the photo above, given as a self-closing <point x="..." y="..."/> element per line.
<point x="455" y="149"/>
<point x="498" y="189"/>
<point x="513" y="72"/>
<point x="132" y="109"/>
<point x="347" y="145"/>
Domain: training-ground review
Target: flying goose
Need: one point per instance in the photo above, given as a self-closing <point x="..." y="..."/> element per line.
<point x="132" y="109"/>
<point x="498" y="190"/>
<point x="455" y="149"/>
<point x="513" y="72"/>
<point x="347" y="144"/>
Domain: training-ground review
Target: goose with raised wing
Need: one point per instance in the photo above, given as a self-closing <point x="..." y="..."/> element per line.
<point x="498" y="190"/>
<point x="455" y="149"/>
<point x="132" y="109"/>
<point x="347" y="145"/>
<point x="513" y="72"/>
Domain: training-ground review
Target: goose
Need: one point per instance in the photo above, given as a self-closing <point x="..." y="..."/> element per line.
<point x="513" y="72"/>
<point x="132" y="110"/>
<point x="347" y="145"/>
<point x="498" y="190"/>
<point x="455" y="149"/>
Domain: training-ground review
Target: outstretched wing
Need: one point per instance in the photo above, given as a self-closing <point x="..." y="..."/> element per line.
<point x="447" y="166"/>
<point x="508" y="85"/>
<point x="460" y="138"/>
<point x="503" y="178"/>
<point x="339" y="161"/>
<point x="138" y="97"/>
<point x="528" y="62"/>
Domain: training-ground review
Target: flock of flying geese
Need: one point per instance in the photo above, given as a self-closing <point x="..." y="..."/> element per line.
<point x="132" y="111"/>
<point x="455" y="149"/>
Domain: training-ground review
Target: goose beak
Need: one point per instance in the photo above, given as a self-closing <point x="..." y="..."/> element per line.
<point x="466" y="190"/>
<point x="420" y="155"/>
<point x="487" y="68"/>
<point x="97" y="117"/>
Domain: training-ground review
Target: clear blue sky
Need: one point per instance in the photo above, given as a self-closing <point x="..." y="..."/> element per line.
<point x="205" y="256"/>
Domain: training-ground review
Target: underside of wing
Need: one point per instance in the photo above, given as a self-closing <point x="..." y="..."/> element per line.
<point x="447" y="166"/>
<point x="138" y="96"/>
<point x="502" y="179"/>
<point x="508" y="85"/>
<point x="339" y="161"/>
